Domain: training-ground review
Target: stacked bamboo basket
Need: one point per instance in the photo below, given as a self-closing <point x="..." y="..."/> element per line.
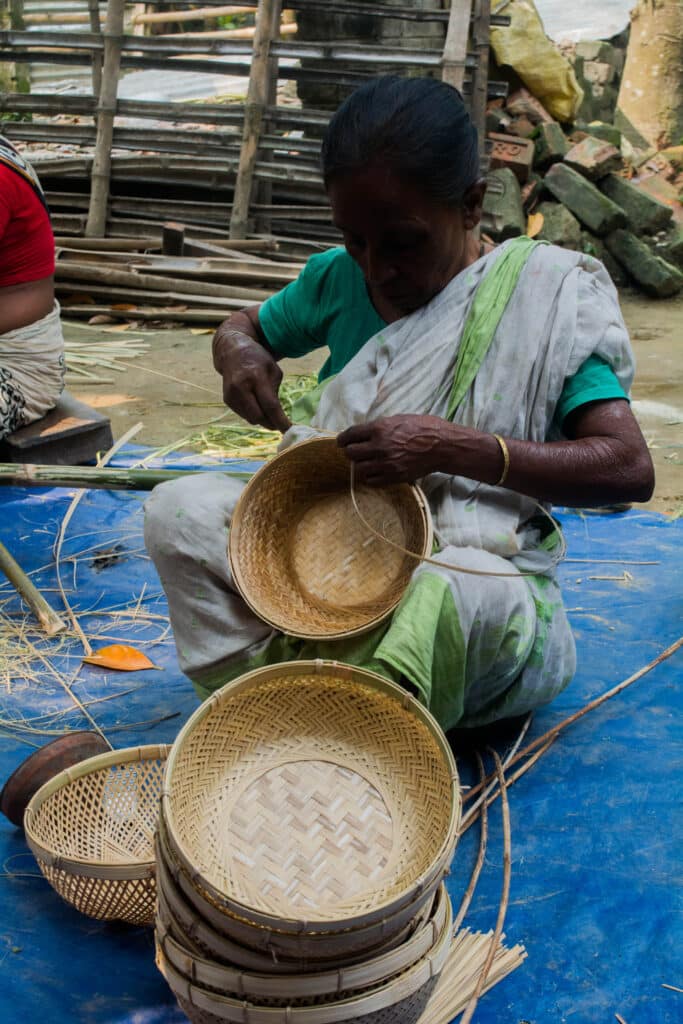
<point x="309" y="814"/>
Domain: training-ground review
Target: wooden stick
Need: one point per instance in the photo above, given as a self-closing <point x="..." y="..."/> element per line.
<point x="455" y="47"/>
<point x="106" y="110"/>
<point x="502" y="910"/>
<point x="47" y="617"/>
<point x="95" y="26"/>
<point x="198" y="14"/>
<point x="267" y="20"/>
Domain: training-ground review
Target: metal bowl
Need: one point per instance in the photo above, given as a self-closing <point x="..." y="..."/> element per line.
<point x="42" y="765"/>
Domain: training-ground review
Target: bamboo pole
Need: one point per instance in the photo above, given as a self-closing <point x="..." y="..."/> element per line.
<point x="198" y="14"/>
<point x="267" y="20"/>
<point x="92" y="477"/>
<point x="455" y="47"/>
<point x="47" y="617"/>
<point x="95" y="26"/>
<point x="106" y="110"/>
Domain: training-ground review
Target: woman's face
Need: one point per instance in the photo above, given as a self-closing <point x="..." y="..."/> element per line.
<point x="407" y="245"/>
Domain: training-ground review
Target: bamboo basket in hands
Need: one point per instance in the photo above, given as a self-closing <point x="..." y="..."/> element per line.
<point x="91" y="829"/>
<point x="311" y="798"/>
<point x="302" y="558"/>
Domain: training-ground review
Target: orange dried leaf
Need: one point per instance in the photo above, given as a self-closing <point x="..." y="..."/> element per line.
<point x="534" y="224"/>
<point x="121" y="658"/>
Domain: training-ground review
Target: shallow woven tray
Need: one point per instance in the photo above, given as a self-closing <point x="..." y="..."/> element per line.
<point x="218" y="932"/>
<point x="302" y="558"/>
<point x="400" y="1000"/>
<point x="312" y="797"/>
<point x="306" y="989"/>
<point x="91" y="829"/>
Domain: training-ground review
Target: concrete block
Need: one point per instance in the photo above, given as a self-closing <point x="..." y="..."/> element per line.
<point x="522" y="127"/>
<point x="598" y="73"/>
<point x="560" y="226"/>
<point x="606" y="132"/>
<point x="596" y="211"/>
<point x="654" y="275"/>
<point x="595" y="246"/>
<point x="531" y="191"/>
<point x="503" y="205"/>
<point x="551" y="145"/>
<point x="645" y="214"/>
<point x="669" y="245"/>
<point x="512" y="152"/>
<point x="523" y="104"/>
<point x="593" y="158"/>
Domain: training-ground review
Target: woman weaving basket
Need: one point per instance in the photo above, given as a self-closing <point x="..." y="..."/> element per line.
<point x="496" y="380"/>
<point x="31" y="343"/>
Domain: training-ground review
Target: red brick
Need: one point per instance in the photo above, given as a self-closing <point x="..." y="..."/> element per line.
<point x="513" y="152"/>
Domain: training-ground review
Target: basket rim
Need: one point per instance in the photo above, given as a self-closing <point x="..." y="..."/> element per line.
<point x="394" y="990"/>
<point x="76" y="865"/>
<point x="329" y="982"/>
<point x="348" y="673"/>
<point x="372" y="935"/>
<point x="243" y="586"/>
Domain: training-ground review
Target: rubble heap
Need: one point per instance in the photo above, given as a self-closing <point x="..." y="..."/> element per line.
<point x="594" y="185"/>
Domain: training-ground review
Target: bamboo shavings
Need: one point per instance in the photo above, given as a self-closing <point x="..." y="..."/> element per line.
<point x="83" y="358"/>
<point x="462" y="971"/>
<point x="243" y="440"/>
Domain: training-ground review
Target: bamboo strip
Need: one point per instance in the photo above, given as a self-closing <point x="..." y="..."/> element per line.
<point x="483" y="839"/>
<point x="48" y="618"/>
<point x="507" y="870"/>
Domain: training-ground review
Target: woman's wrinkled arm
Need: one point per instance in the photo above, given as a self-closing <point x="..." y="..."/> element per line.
<point x="248" y="366"/>
<point x="604" y="461"/>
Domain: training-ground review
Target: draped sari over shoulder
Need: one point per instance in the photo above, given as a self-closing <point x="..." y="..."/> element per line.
<point x="491" y="351"/>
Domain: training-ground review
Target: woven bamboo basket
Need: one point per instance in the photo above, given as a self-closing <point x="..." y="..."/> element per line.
<point x="399" y="1000"/>
<point x="194" y="932"/>
<point x="91" y="829"/>
<point x="306" y="989"/>
<point x="302" y="558"/>
<point x="219" y="932"/>
<point x="311" y="798"/>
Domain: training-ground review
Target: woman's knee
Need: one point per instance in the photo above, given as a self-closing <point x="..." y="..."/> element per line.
<point x="182" y="514"/>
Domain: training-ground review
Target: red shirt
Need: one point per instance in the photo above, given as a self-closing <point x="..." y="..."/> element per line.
<point x="27" y="245"/>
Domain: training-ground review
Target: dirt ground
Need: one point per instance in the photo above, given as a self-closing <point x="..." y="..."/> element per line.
<point x="171" y="409"/>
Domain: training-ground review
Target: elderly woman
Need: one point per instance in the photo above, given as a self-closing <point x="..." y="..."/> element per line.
<point x="31" y="343"/>
<point x="496" y="380"/>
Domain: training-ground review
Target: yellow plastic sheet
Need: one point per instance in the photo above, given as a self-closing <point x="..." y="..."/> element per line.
<point x="524" y="46"/>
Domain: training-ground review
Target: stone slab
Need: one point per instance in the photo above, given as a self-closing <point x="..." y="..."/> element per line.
<point x="551" y="145"/>
<point x="595" y="211"/>
<point x="654" y="275"/>
<point x="646" y="215"/>
<point x="560" y="226"/>
<point x="503" y="205"/>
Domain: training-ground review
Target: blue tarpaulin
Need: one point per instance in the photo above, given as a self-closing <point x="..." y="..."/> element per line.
<point x="596" y="824"/>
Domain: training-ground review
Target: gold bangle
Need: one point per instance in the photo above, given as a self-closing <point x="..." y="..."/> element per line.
<point x="506" y="460"/>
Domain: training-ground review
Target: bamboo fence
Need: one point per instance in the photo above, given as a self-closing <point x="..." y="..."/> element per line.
<point x="235" y="169"/>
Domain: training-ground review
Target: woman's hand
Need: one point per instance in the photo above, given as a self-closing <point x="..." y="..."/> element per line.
<point x="251" y="375"/>
<point x="398" y="449"/>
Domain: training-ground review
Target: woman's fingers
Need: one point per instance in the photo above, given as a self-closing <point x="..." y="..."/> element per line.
<point x="272" y="413"/>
